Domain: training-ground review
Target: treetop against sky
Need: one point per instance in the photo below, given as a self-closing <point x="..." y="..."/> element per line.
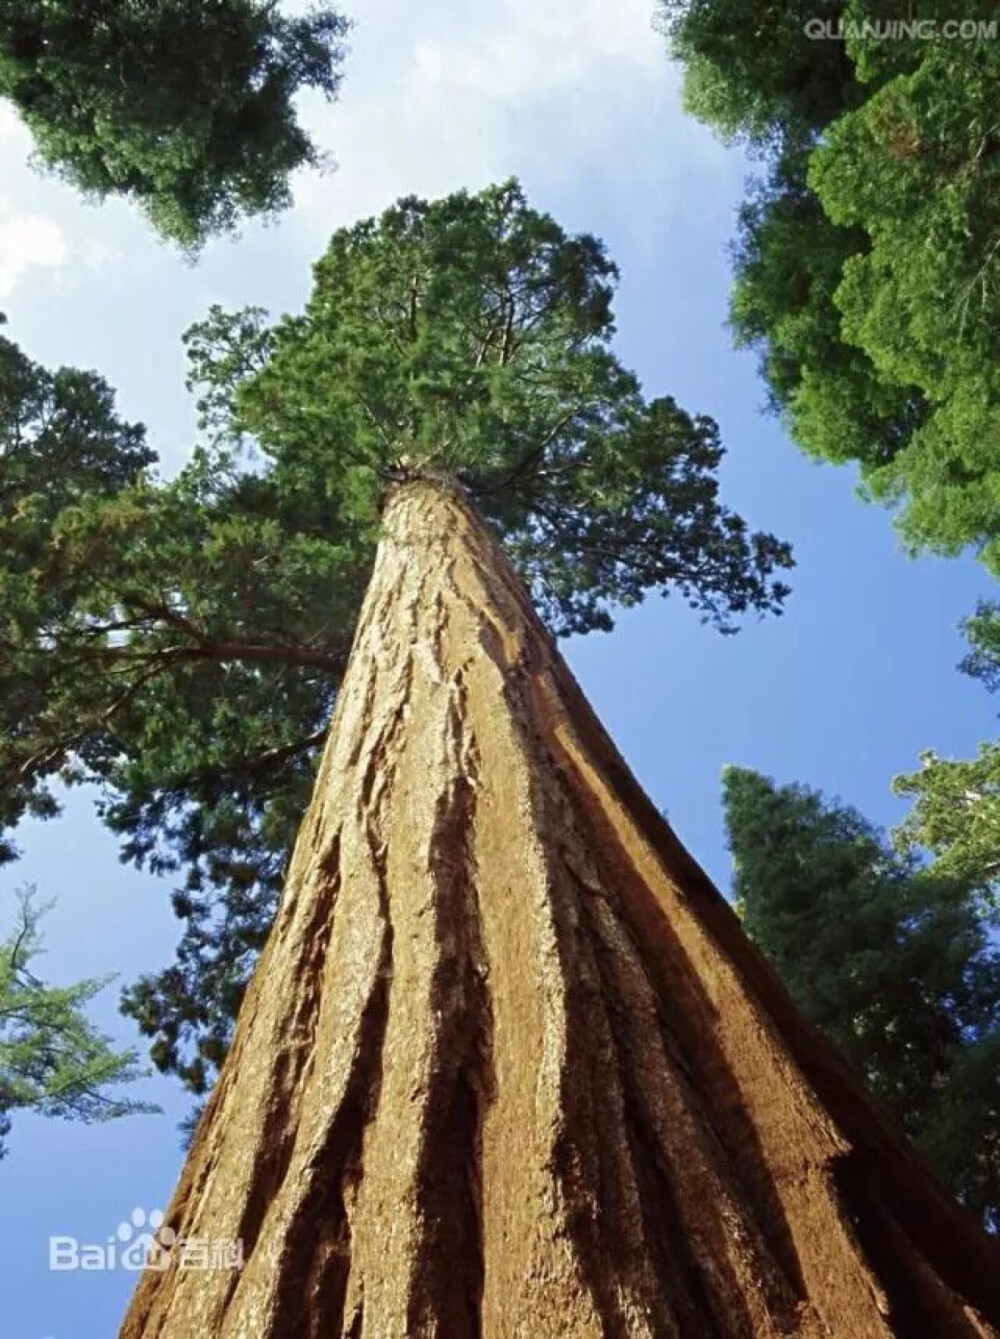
<point x="180" y="643"/>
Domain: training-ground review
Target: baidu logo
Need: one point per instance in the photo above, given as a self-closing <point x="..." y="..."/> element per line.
<point x="143" y="1242"/>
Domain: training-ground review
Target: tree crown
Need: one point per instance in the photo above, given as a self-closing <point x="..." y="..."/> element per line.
<point x="866" y="262"/>
<point x="180" y="643"/>
<point x="183" y="106"/>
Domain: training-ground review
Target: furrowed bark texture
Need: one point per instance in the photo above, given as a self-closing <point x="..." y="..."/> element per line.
<point x="509" y="1066"/>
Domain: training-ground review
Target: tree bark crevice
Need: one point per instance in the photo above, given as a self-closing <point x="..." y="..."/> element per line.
<point x="509" y="1068"/>
<point x="448" y="1265"/>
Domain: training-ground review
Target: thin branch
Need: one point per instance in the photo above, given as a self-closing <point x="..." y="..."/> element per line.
<point x="264" y="653"/>
<point x="535" y="454"/>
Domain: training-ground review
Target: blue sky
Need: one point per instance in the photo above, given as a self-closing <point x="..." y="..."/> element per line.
<point x="578" y="99"/>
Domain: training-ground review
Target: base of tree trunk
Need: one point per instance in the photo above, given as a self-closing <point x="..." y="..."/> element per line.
<point x="508" y="1065"/>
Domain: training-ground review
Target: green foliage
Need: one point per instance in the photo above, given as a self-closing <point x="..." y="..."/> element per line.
<point x="53" y="1061"/>
<point x="471" y="336"/>
<point x="789" y="260"/>
<point x="868" y="261"/>
<point x="182" y="105"/>
<point x="956" y="809"/>
<point x="180" y="643"/>
<point x="750" y="70"/>
<point x="889" y="958"/>
<point x="918" y="167"/>
<point x="956" y="814"/>
<point x="60" y="444"/>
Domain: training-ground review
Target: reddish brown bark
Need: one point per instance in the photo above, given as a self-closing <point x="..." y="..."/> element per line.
<point x="508" y="1066"/>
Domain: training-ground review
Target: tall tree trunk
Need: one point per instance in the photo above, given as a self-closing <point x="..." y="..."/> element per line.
<point x="508" y="1065"/>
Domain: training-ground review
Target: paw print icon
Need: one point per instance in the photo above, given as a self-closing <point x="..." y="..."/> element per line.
<point x="145" y="1242"/>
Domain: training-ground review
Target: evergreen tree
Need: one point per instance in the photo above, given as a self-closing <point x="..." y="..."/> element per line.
<point x="867" y="257"/>
<point x="889" y="958"/>
<point x="53" y="1061"/>
<point x="184" y="106"/>
<point x="181" y="643"/>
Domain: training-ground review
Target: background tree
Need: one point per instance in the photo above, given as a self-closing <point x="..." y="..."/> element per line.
<point x="181" y="643"/>
<point x="183" y="106"/>
<point x="891" y="959"/>
<point x="753" y="73"/>
<point x="956" y="809"/>
<point x="867" y="257"/>
<point x="53" y="1061"/>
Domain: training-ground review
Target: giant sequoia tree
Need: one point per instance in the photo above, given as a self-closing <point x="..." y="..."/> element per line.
<point x="508" y="1065"/>
<point x="181" y="644"/>
<point x="181" y="105"/>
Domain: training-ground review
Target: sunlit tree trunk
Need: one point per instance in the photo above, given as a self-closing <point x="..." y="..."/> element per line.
<point x="508" y="1066"/>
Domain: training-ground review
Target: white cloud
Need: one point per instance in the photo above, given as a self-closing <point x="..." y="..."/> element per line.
<point x="45" y="224"/>
<point x="576" y="97"/>
<point x="29" y="239"/>
<point x="27" y="242"/>
<point x="10" y="126"/>
<point x="531" y="53"/>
